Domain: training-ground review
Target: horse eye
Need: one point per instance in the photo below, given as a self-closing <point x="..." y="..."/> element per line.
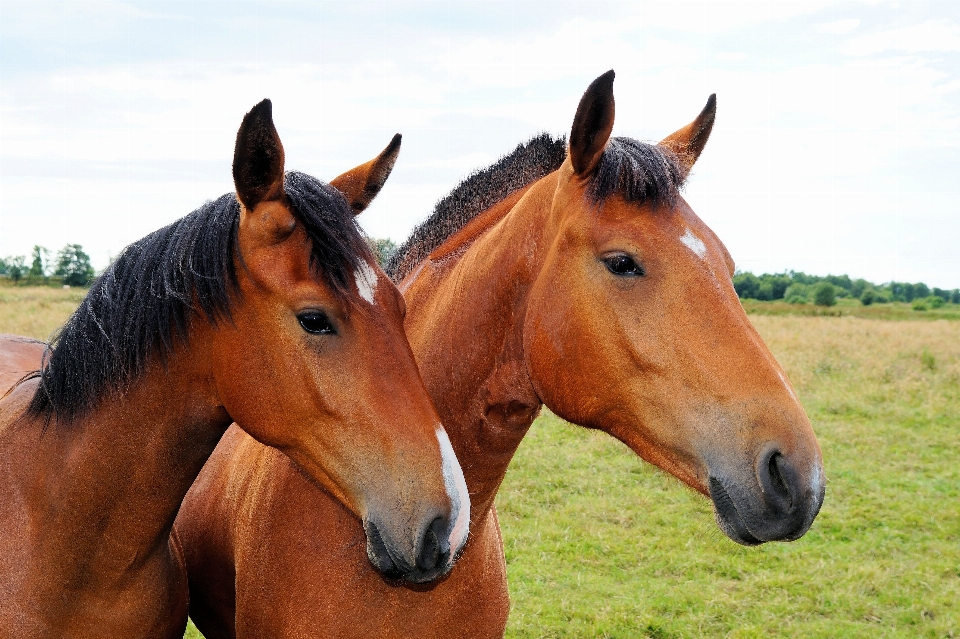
<point x="623" y="265"/>
<point x="316" y="323"/>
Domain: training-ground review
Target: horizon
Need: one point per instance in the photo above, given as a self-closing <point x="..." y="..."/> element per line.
<point x="834" y="151"/>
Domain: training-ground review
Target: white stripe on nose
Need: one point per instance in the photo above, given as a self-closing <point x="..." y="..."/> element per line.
<point x="786" y="385"/>
<point x="456" y="487"/>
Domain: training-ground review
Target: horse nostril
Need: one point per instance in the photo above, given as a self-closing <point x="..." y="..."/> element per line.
<point x="776" y="475"/>
<point x="430" y="549"/>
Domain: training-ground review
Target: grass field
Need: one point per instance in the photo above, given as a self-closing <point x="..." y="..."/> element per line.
<point x="847" y="307"/>
<point x="36" y="311"/>
<point x="600" y="544"/>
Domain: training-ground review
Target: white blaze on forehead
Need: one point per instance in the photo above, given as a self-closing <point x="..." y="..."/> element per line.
<point x="694" y="243"/>
<point x="366" y="279"/>
<point x="456" y="487"/>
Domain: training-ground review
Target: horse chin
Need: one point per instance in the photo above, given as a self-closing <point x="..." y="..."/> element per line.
<point x="728" y="518"/>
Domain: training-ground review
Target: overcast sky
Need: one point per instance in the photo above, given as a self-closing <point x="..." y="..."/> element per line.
<point x="836" y="147"/>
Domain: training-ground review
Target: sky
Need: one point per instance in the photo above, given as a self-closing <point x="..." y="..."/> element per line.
<point x="836" y="147"/>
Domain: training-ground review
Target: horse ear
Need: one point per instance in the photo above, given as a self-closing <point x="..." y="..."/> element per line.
<point x="258" y="158"/>
<point x="361" y="184"/>
<point x="592" y="125"/>
<point x="688" y="142"/>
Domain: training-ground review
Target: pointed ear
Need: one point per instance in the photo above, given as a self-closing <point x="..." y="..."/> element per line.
<point x="688" y="142"/>
<point x="592" y="124"/>
<point x="258" y="158"/>
<point x="361" y="184"/>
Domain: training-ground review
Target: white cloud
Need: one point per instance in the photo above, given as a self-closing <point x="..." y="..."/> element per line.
<point x="928" y="36"/>
<point x="839" y="27"/>
<point x="806" y="139"/>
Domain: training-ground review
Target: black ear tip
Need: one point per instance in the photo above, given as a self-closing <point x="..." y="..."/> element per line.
<point x="603" y="82"/>
<point x="395" y="142"/>
<point x="262" y="111"/>
<point x="712" y="101"/>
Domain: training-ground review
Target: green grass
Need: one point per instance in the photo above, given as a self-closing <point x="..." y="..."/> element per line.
<point x="600" y="544"/>
<point x="848" y="307"/>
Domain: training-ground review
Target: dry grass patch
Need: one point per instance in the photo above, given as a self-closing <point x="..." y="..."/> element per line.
<point x="36" y="311"/>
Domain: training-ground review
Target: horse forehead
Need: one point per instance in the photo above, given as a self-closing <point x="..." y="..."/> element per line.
<point x="366" y="280"/>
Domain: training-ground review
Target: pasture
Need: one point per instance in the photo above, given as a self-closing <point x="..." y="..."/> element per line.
<point x="600" y="544"/>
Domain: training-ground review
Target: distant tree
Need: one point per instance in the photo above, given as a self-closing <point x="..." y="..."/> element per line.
<point x="935" y="301"/>
<point x="840" y="281"/>
<point x="16" y="267"/>
<point x="74" y="265"/>
<point x="38" y="268"/>
<point x="824" y="294"/>
<point x="747" y="285"/>
<point x="802" y="278"/>
<point x="901" y="291"/>
<point x="3" y="266"/>
<point x="797" y="287"/>
<point x="383" y="248"/>
<point x="778" y="284"/>
<point x="859" y="286"/>
<point x="955" y="296"/>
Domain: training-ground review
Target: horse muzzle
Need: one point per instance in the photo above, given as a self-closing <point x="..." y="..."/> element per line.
<point x="778" y="501"/>
<point x="429" y="559"/>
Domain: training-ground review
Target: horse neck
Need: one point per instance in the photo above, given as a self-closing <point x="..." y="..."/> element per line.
<point x="465" y="323"/>
<point x="112" y="480"/>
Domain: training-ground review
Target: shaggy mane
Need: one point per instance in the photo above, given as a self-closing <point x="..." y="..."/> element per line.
<point x="635" y="170"/>
<point x="140" y="309"/>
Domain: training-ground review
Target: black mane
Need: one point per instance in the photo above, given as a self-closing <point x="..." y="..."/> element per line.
<point x="141" y="307"/>
<point x="637" y="171"/>
<point x="479" y="191"/>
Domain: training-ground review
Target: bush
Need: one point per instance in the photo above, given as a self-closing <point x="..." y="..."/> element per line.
<point x="868" y="297"/>
<point x="796" y="294"/>
<point x="935" y="301"/>
<point x="955" y="296"/>
<point x="919" y="305"/>
<point x="824" y="295"/>
<point x="859" y="286"/>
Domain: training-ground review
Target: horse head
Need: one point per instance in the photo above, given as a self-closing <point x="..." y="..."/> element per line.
<point x="314" y="361"/>
<point x="633" y="327"/>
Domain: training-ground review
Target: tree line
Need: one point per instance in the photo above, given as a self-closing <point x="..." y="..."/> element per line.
<point x="71" y="264"/>
<point x="799" y="288"/>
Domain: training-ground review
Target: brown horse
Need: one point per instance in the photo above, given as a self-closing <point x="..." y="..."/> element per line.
<point x="581" y="281"/>
<point x="265" y="307"/>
